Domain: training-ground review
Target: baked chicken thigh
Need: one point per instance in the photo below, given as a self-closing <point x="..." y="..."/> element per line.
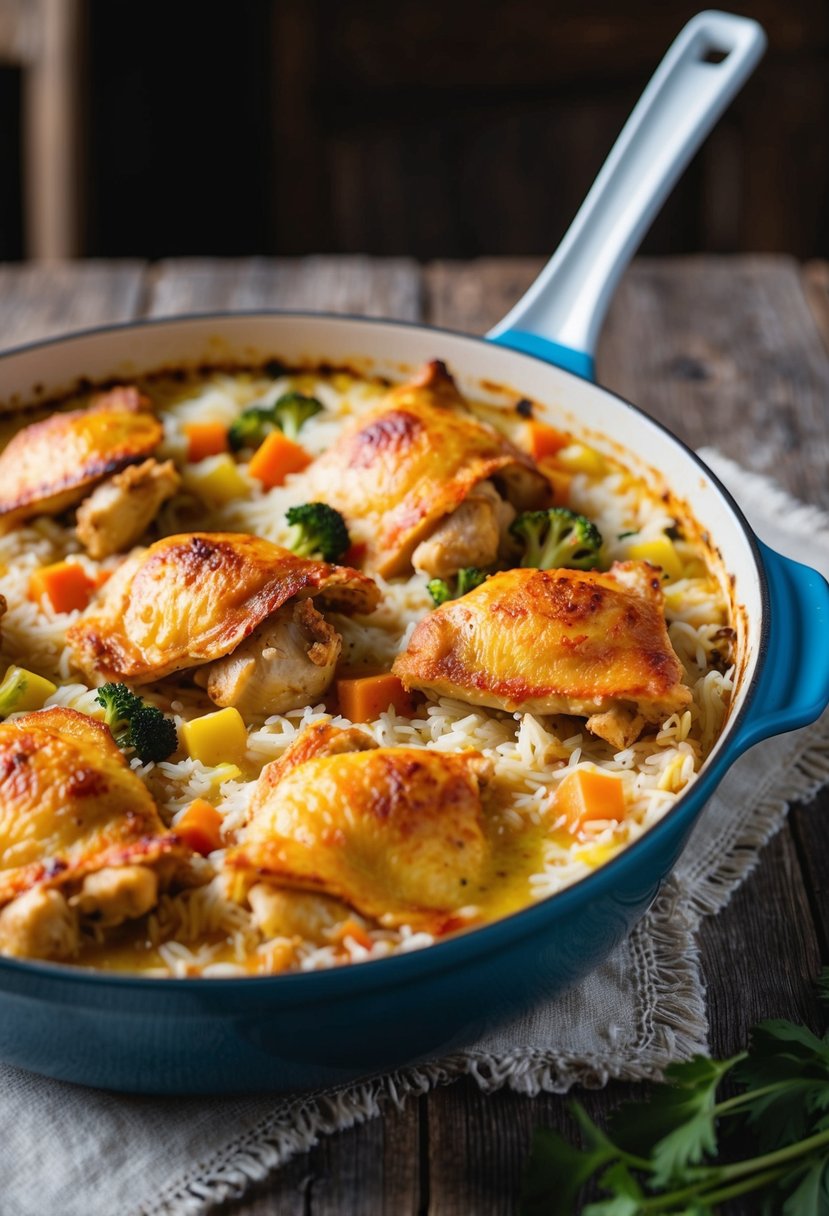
<point x="51" y="465"/>
<point x="234" y="606"/>
<point x="430" y="484"/>
<point x="80" y="835"/>
<point x="555" y="641"/>
<point x="396" y="833"/>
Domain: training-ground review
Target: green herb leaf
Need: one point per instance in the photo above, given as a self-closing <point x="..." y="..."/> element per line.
<point x="557" y="1170"/>
<point x="677" y="1126"/>
<point x="789" y="1065"/>
<point x="811" y="1197"/>
<point x="669" y="1144"/>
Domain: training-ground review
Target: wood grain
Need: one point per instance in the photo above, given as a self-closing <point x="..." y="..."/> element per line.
<point x="39" y="301"/>
<point x="373" y="1168"/>
<point x="726" y="353"/>
<point x="815" y="277"/>
<point x="472" y="296"/>
<point x="363" y="286"/>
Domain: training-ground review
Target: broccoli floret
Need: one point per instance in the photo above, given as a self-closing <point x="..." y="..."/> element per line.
<point x="11" y="690"/>
<point x="293" y="410"/>
<point x="287" y="414"/>
<point x="119" y="705"/>
<point x="137" y="725"/>
<point x="557" y="538"/>
<point x="252" y="425"/>
<point x="317" y="528"/>
<point x="466" y="579"/>
<point x="153" y="735"/>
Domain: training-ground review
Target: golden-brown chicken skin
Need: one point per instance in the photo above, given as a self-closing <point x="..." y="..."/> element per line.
<point x="194" y="597"/>
<point x="70" y="805"/>
<point x="50" y="465"/>
<point x="410" y="463"/>
<point x="555" y="641"/>
<point x="395" y="832"/>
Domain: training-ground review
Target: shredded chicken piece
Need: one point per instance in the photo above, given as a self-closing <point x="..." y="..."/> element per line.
<point x="287" y="662"/>
<point x="280" y="913"/>
<point x="117" y="893"/>
<point x="473" y="535"/>
<point x="619" y="726"/>
<point x="121" y="509"/>
<point x="39" y="924"/>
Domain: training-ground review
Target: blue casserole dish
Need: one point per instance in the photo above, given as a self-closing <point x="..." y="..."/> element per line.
<point x="322" y="1028"/>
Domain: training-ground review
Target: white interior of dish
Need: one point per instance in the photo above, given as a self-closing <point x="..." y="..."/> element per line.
<point x="483" y="370"/>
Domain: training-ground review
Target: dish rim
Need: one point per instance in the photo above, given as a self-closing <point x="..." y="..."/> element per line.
<point x="442" y="952"/>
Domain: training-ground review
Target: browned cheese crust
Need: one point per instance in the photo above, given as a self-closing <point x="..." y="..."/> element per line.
<point x="70" y="804"/>
<point x="552" y="641"/>
<point x="395" y="832"/>
<point x="194" y="597"/>
<point x="50" y="465"/>
<point x="413" y="461"/>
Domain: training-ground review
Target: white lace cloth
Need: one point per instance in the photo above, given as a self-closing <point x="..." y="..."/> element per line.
<point x="87" y="1153"/>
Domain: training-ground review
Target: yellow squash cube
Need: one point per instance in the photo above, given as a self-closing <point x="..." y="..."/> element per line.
<point x="659" y="552"/>
<point x="219" y="738"/>
<point x="216" y="480"/>
<point x="33" y="691"/>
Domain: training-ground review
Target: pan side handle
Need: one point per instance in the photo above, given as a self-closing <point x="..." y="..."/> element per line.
<point x="793" y="687"/>
<point x="559" y="317"/>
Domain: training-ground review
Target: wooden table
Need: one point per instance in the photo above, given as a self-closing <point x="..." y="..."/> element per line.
<point x="730" y="352"/>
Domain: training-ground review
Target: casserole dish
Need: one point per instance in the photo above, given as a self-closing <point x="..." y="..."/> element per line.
<point x="309" y="1029"/>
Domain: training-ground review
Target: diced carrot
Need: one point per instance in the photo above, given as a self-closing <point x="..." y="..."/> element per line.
<point x="200" y="827"/>
<point x="559" y="479"/>
<point x="364" y="699"/>
<point x="351" y="928"/>
<point x="65" y="585"/>
<point x="355" y="554"/>
<point x="275" y="458"/>
<point x="205" y="439"/>
<point x="544" y="440"/>
<point x="586" y="794"/>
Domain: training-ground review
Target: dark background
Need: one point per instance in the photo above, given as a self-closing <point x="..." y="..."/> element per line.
<point x="419" y="127"/>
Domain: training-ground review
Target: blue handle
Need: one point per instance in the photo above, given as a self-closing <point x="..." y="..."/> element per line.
<point x="559" y="317"/>
<point x="793" y="688"/>
<point x="577" y="361"/>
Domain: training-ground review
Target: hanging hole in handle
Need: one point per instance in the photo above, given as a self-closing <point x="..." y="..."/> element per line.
<point x="713" y="54"/>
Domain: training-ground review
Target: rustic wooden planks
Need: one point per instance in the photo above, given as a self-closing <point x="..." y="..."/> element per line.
<point x="363" y="286"/>
<point x="39" y="300"/>
<point x="726" y="352"/>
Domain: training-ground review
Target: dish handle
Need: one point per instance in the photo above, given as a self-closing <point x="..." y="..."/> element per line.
<point x="559" y="317"/>
<point x="793" y="688"/>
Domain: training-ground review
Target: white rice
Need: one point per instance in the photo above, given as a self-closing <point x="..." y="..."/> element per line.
<point x="202" y="930"/>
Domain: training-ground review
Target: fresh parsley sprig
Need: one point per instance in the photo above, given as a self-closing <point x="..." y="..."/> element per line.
<point x="675" y="1153"/>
